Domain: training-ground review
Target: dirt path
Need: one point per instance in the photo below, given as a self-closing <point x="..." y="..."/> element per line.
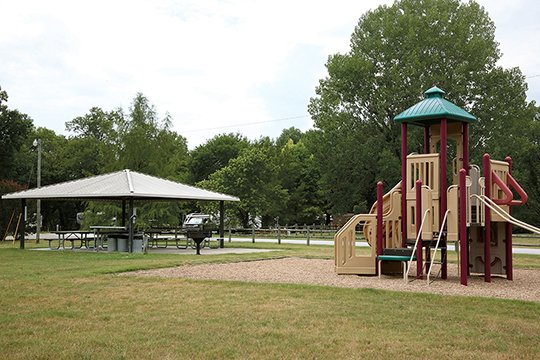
<point x="526" y="284"/>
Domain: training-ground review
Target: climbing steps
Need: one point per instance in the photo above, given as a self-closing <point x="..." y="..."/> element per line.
<point x="405" y="256"/>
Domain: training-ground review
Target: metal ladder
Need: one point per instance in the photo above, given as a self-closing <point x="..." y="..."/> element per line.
<point x="436" y="248"/>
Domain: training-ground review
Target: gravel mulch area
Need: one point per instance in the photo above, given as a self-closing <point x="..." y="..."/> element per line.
<point x="525" y="286"/>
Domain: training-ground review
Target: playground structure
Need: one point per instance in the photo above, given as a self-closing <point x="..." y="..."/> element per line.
<point x="419" y="216"/>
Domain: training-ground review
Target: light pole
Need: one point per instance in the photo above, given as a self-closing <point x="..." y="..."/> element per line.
<point x="37" y="143"/>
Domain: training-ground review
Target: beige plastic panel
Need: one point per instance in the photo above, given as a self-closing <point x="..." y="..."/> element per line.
<point x="497" y="249"/>
<point x="427" y="203"/>
<point x="345" y="258"/>
<point x="423" y="167"/>
<point x="452" y="221"/>
<point x="391" y="219"/>
<point x="501" y="169"/>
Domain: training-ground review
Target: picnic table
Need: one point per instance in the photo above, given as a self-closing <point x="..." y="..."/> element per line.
<point x="166" y="234"/>
<point x="177" y="235"/>
<point x="71" y="235"/>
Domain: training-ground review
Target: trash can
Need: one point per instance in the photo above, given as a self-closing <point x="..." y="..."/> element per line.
<point x="111" y="243"/>
<point x="122" y="243"/>
<point x="137" y="244"/>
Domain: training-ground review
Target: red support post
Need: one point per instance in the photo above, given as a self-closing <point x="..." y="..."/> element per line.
<point x="404" y="184"/>
<point x="509" y="265"/>
<point x="379" y="218"/>
<point x="426" y="139"/>
<point x="418" y="220"/>
<point x="443" y="187"/>
<point x="463" y="240"/>
<point x="487" y="227"/>
<point x="466" y="147"/>
<point x="443" y="181"/>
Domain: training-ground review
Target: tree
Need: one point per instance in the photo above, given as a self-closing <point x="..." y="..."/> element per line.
<point x="298" y="175"/>
<point x="291" y="134"/>
<point x="215" y="154"/>
<point x="14" y="130"/>
<point x="139" y="141"/>
<point x="148" y="144"/>
<point x="93" y="147"/>
<point x="526" y="158"/>
<point x="58" y="164"/>
<point x="396" y="53"/>
<point x="97" y="124"/>
<point x="251" y="177"/>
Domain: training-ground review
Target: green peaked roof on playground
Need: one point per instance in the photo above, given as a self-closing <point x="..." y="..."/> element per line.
<point x="434" y="107"/>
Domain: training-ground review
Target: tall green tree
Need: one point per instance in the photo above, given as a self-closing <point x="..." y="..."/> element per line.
<point x="93" y="147"/>
<point x="139" y="141"/>
<point x="57" y="165"/>
<point x="97" y="124"/>
<point x="291" y="134"/>
<point x="253" y="178"/>
<point x="15" y="127"/>
<point x="298" y="175"/>
<point x="215" y="154"/>
<point x="148" y="144"/>
<point x="526" y="159"/>
<point x="396" y="53"/>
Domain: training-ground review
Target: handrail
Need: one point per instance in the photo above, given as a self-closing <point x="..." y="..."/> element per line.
<point x="522" y="194"/>
<point x="437" y="244"/>
<point x="508" y="199"/>
<point x="508" y="196"/>
<point x="416" y="242"/>
<point x="482" y="184"/>
<point x="493" y="206"/>
<point x="468" y="186"/>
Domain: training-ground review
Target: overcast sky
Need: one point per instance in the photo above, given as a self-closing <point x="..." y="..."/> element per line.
<point x="214" y="66"/>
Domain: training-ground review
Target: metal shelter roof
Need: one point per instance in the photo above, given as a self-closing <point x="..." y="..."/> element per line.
<point x="433" y="108"/>
<point x="124" y="184"/>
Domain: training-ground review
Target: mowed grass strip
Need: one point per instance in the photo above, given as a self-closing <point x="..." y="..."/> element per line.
<point x="67" y="305"/>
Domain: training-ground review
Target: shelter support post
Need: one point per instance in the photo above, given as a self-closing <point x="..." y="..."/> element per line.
<point x="221" y="223"/>
<point x="23" y="224"/>
<point x="404" y="184"/>
<point x="131" y="217"/>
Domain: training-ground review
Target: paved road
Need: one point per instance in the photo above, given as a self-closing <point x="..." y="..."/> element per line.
<point x="515" y="250"/>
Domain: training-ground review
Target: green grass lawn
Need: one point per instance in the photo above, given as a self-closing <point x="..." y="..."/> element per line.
<point x="73" y="305"/>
